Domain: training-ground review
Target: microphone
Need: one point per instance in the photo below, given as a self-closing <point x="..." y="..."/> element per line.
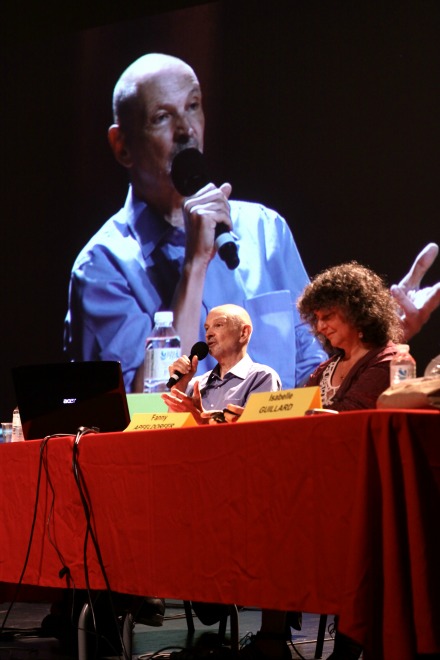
<point x="189" y="174"/>
<point x="201" y="350"/>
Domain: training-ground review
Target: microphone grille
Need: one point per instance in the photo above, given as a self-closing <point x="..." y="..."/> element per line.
<point x="200" y="349"/>
<point x="188" y="171"/>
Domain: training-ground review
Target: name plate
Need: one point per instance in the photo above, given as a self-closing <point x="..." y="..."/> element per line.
<point x="156" y="421"/>
<point x="285" y="403"/>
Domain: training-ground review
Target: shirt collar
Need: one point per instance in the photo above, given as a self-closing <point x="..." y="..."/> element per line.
<point x="148" y="227"/>
<point x="240" y="370"/>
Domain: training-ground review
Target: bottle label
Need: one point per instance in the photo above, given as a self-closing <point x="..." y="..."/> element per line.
<point x="401" y="372"/>
<point x="157" y="361"/>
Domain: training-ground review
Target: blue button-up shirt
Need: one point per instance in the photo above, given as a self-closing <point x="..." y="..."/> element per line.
<point x="131" y="267"/>
<point x="237" y="384"/>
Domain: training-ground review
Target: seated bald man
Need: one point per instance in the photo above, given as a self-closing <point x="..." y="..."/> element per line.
<point x="228" y="329"/>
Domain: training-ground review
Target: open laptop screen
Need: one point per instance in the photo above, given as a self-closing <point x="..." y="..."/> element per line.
<point x="59" y="398"/>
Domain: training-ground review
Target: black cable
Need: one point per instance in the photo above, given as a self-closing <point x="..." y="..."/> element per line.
<point x="77" y="475"/>
<point x="85" y="500"/>
<point x="31" y="535"/>
<point x="65" y="570"/>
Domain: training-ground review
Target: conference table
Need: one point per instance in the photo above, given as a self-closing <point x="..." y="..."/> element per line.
<point x="334" y="514"/>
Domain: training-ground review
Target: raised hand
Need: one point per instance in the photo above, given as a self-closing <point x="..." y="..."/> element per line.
<point x="417" y="304"/>
<point x="202" y="212"/>
<point x="178" y="401"/>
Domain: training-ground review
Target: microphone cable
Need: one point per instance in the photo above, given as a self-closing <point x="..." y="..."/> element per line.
<point x="85" y="501"/>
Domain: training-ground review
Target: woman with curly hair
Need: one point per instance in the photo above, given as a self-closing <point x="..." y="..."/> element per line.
<point x="351" y="310"/>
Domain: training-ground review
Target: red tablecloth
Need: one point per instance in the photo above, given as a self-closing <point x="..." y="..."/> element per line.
<point x="328" y="514"/>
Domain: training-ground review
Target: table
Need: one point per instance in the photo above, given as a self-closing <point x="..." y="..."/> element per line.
<point x="330" y="514"/>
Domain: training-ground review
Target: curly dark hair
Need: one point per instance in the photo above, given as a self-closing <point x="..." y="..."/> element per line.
<point x="360" y="295"/>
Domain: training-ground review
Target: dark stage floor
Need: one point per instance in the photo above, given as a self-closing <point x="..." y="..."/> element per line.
<point x="147" y="641"/>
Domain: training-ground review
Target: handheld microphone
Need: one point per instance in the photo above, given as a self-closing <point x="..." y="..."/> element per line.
<point x="189" y="174"/>
<point x="201" y="350"/>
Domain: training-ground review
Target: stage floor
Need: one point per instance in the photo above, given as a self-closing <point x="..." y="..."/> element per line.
<point x="25" y="619"/>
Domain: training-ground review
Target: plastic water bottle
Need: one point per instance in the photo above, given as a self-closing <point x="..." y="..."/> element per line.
<point x="402" y="366"/>
<point x="17" y="430"/>
<point x="161" y="349"/>
<point x="433" y="368"/>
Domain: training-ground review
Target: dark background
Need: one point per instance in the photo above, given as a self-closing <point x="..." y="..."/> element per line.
<point x="327" y="111"/>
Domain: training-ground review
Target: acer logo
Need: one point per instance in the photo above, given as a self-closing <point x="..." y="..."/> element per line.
<point x="69" y="400"/>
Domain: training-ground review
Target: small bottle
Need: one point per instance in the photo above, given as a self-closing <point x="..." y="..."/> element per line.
<point x="17" y="430"/>
<point x="161" y="349"/>
<point x="433" y="368"/>
<point x="402" y="366"/>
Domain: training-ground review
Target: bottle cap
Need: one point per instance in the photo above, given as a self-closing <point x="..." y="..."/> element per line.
<point x="163" y="318"/>
<point x="402" y="348"/>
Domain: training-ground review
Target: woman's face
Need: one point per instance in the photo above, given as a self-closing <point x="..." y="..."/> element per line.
<point x="332" y="324"/>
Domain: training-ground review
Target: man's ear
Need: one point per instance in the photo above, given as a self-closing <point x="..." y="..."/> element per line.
<point x="119" y="146"/>
<point x="246" y="331"/>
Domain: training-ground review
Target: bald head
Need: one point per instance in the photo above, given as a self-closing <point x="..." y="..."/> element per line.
<point x="158" y="111"/>
<point x="128" y="100"/>
<point x="228" y="329"/>
<point x="236" y="314"/>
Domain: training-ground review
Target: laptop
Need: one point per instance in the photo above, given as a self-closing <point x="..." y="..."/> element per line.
<point x="59" y="398"/>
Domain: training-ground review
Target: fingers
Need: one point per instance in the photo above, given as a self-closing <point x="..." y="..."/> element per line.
<point x="422" y="263"/>
<point x="232" y="413"/>
<point x="176" y="400"/>
<point x="431" y="299"/>
<point x="423" y="301"/>
<point x="182" y="365"/>
<point x="226" y="189"/>
<point x="402" y="299"/>
<point x="209" y="205"/>
<point x="202" y="212"/>
<point x="197" y="397"/>
<point x="417" y="306"/>
<point x="410" y="316"/>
